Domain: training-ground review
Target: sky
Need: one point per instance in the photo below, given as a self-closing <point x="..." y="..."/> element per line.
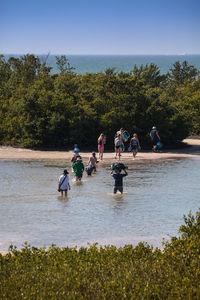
<point x="100" y="27"/>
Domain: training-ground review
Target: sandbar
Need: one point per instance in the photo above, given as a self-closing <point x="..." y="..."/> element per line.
<point x="191" y="149"/>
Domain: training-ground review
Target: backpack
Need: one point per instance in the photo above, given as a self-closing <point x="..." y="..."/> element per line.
<point x="119" y="166"/>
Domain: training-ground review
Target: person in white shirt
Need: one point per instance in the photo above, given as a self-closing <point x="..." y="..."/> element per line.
<point x="63" y="183"/>
<point x="122" y="139"/>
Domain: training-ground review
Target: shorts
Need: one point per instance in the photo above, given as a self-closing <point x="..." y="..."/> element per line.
<point x="79" y="175"/>
<point x="118" y="188"/>
<point x="89" y="170"/>
<point x="134" y="148"/>
<point x="117" y="147"/>
<point x="100" y="146"/>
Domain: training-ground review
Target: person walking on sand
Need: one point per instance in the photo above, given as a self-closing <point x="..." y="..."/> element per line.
<point x="118" y="183"/>
<point x="117" y="143"/>
<point x="63" y="183"/>
<point x="78" y="168"/>
<point x="121" y="134"/>
<point x="154" y="138"/>
<point x="134" y="144"/>
<point x="101" y="143"/>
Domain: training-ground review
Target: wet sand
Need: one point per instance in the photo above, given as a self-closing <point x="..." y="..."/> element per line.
<point x="12" y="153"/>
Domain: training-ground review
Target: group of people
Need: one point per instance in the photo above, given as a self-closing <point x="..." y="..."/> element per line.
<point x="78" y="167"/>
<point x="122" y="136"/>
<point x="119" y="139"/>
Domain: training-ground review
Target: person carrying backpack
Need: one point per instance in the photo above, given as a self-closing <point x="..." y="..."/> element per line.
<point x="63" y="183"/>
<point x="118" y="180"/>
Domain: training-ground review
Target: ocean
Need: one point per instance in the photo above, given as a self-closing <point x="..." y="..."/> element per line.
<point x="98" y="63"/>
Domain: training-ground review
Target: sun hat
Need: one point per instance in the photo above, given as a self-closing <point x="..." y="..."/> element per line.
<point x="65" y="172"/>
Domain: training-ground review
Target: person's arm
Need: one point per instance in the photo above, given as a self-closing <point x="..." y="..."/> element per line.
<point x="69" y="185"/>
<point x="158" y="135"/>
<point x="125" y="172"/>
<point x="138" y="144"/>
<point x="122" y="137"/>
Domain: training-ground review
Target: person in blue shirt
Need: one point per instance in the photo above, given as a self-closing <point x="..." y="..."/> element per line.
<point x="118" y="177"/>
<point x="135" y="144"/>
<point x="154" y="138"/>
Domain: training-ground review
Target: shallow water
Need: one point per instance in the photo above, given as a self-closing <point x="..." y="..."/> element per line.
<point x="157" y="195"/>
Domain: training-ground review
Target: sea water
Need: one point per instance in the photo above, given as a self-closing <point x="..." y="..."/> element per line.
<point x="98" y="63"/>
<point x="156" y="196"/>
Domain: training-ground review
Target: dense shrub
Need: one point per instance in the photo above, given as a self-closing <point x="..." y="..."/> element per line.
<point x="41" y="109"/>
<point x="139" y="272"/>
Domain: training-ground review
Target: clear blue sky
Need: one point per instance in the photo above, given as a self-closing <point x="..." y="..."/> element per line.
<point x="100" y="26"/>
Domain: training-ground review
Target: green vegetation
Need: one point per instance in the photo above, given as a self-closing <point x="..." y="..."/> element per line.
<point x="41" y="109"/>
<point x="106" y="272"/>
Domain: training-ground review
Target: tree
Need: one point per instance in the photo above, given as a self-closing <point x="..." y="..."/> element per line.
<point x="181" y="72"/>
<point x="63" y="64"/>
<point x="148" y="75"/>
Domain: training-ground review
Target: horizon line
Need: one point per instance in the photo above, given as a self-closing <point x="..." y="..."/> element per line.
<point x="99" y="54"/>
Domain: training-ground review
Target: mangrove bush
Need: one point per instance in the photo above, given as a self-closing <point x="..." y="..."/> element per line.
<point x="38" y="108"/>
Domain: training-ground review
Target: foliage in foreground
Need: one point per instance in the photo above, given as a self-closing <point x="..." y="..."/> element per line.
<point x="38" y="108"/>
<point x="106" y="273"/>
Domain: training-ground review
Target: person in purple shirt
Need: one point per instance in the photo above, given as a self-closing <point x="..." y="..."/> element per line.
<point x="118" y="177"/>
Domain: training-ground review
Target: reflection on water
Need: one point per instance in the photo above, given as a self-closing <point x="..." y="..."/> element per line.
<point x="157" y="194"/>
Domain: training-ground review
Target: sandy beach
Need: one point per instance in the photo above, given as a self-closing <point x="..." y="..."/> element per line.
<point x="192" y="149"/>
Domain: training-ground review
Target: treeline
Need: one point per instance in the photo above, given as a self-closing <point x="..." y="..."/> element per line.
<point x="40" y="109"/>
<point x="139" y="272"/>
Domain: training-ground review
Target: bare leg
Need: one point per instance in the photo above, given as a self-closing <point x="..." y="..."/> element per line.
<point x="119" y="153"/>
<point x="134" y="153"/>
<point x="101" y="155"/>
<point x="115" y="152"/>
<point x="154" y="147"/>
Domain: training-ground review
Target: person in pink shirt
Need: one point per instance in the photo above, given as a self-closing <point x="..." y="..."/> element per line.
<point x="101" y="143"/>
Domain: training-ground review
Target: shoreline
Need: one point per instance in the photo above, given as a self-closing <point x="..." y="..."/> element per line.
<point x="192" y="149"/>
